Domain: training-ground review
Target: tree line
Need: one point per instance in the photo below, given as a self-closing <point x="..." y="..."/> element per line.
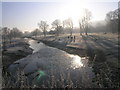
<point x="67" y="24"/>
<point x="112" y="19"/>
<point x="9" y="36"/>
<point x="59" y="27"/>
<point x="111" y="24"/>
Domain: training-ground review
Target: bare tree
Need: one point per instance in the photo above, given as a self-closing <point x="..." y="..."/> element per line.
<point x="35" y="33"/>
<point x="16" y="32"/>
<point x="4" y="37"/>
<point x="84" y="22"/>
<point x="56" y="24"/>
<point x="26" y="34"/>
<point x="68" y="23"/>
<point x="81" y="26"/>
<point x="43" y="26"/>
<point x="63" y="24"/>
<point x="8" y="35"/>
<point x="112" y="21"/>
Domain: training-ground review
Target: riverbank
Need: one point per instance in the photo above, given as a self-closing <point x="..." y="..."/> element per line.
<point x="55" y="65"/>
<point x="15" y="52"/>
<point x="102" y="53"/>
<point x="106" y="72"/>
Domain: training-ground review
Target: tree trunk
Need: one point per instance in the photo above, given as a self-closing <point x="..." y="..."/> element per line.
<point x="44" y="33"/>
<point x="57" y="31"/>
<point x="86" y="33"/>
<point x="70" y="31"/>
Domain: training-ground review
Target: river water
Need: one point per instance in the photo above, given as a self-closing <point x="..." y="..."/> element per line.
<point x="51" y="67"/>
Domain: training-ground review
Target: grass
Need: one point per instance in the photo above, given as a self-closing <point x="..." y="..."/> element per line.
<point x="64" y="80"/>
<point x="106" y="76"/>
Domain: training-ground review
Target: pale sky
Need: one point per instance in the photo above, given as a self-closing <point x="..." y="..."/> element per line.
<point x="26" y="15"/>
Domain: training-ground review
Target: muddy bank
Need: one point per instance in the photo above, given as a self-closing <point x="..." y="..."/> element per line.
<point x="19" y="50"/>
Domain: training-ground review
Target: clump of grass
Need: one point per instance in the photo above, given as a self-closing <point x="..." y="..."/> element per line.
<point x="104" y="75"/>
<point x="53" y="80"/>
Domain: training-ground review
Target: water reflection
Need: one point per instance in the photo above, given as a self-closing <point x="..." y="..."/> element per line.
<point x="76" y="61"/>
<point x="35" y="45"/>
<point x="53" y="65"/>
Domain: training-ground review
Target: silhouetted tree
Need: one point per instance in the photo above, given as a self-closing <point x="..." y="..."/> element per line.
<point x="26" y="34"/>
<point x="112" y="21"/>
<point x="16" y="32"/>
<point x="5" y="33"/>
<point x="36" y="32"/>
<point x="8" y="35"/>
<point x="43" y="26"/>
<point x="68" y="23"/>
<point x="81" y="26"/>
<point x="56" y="24"/>
<point x="60" y="28"/>
<point x="84" y="21"/>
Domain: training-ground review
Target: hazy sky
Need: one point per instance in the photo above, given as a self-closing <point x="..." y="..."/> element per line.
<point x="26" y="15"/>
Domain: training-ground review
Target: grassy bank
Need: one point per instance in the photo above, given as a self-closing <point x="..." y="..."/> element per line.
<point x="15" y="52"/>
<point x="106" y="72"/>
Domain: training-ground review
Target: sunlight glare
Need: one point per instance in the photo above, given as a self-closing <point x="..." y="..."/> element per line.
<point x="76" y="61"/>
<point x="73" y="10"/>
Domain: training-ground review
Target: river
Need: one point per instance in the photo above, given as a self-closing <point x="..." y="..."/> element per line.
<point x="51" y="67"/>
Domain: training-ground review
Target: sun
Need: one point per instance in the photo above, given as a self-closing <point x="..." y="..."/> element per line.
<point x="73" y="10"/>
